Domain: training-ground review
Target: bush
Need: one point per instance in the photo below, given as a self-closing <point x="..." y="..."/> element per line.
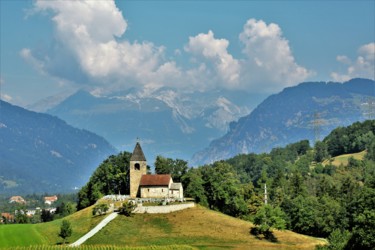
<point x="100" y="209"/>
<point x="127" y="208"/>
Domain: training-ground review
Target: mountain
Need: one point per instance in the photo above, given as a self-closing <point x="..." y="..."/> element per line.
<point x="307" y="111"/>
<point x="41" y="153"/>
<point x="168" y="123"/>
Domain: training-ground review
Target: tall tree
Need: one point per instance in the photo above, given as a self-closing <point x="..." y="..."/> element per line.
<point x="177" y="168"/>
<point x="65" y="230"/>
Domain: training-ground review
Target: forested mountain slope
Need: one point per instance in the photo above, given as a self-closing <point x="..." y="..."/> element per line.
<point x="307" y="111"/>
<point x="41" y="153"/>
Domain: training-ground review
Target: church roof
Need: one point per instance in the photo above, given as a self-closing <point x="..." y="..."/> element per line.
<point x="138" y="153"/>
<point x="155" y="180"/>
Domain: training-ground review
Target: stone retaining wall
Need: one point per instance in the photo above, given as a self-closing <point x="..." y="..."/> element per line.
<point x="162" y="209"/>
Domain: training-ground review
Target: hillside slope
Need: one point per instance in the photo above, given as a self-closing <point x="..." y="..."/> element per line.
<point x="197" y="227"/>
<point x="307" y="111"/>
<point x="41" y="153"/>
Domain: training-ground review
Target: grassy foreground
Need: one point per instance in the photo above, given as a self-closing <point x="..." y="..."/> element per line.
<point x="197" y="227"/>
<point x="16" y="235"/>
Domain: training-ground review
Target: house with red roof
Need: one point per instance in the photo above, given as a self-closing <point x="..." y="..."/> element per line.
<point x="50" y="199"/>
<point x="17" y="199"/>
<point x="150" y="186"/>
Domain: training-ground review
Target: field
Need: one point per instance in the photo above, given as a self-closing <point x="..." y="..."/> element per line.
<point x="343" y="159"/>
<point x="21" y="234"/>
<point x="47" y="233"/>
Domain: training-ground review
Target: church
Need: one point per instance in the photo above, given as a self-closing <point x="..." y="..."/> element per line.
<point x="145" y="185"/>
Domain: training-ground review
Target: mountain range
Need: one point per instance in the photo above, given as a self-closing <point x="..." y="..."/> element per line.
<point x="167" y="122"/>
<point x="42" y="153"/>
<point x="307" y="111"/>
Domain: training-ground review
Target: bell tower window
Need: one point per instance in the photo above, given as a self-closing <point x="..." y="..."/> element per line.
<point x="137" y="166"/>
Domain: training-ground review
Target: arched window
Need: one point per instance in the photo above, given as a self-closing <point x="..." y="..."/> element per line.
<point x="137" y="166"/>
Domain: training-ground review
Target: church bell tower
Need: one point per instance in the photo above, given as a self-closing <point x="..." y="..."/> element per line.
<point x="138" y="167"/>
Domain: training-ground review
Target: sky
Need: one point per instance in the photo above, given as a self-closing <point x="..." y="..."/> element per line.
<point x="51" y="47"/>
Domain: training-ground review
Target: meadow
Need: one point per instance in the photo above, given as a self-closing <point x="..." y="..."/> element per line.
<point x="343" y="160"/>
<point x="15" y="235"/>
<point x="198" y="227"/>
<point x="194" y="228"/>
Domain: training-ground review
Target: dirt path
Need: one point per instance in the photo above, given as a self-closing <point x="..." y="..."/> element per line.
<point x="96" y="229"/>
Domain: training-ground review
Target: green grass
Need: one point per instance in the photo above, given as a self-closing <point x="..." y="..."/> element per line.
<point x="197" y="227"/>
<point x="194" y="228"/>
<point x="20" y="235"/>
<point x="47" y="233"/>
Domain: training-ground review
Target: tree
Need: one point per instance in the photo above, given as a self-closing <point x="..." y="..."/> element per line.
<point x="321" y="151"/>
<point x="268" y="218"/>
<point x="177" y="168"/>
<point x="111" y="177"/>
<point x="46" y="216"/>
<point x="193" y="184"/>
<point x="65" y="230"/>
<point x="223" y="189"/>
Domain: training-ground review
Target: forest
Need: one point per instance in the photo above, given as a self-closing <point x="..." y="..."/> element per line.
<point x="308" y="190"/>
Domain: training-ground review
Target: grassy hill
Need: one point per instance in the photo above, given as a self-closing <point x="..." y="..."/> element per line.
<point x="198" y="228"/>
<point x="344" y="159"/>
<point x="47" y="233"/>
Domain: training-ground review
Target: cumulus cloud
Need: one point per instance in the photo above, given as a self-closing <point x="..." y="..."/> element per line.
<point x="363" y="66"/>
<point x="215" y="50"/>
<point x="269" y="59"/>
<point x="87" y="32"/>
<point x="90" y="48"/>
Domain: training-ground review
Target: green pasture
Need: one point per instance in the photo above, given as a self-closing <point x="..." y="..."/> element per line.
<point x="20" y="235"/>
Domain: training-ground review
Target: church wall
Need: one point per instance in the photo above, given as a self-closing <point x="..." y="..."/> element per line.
<point x="154" y="192"/>
<point x="177" y="194"/>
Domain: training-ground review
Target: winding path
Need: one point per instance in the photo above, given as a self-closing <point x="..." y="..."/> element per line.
<point x="96" y="229"/>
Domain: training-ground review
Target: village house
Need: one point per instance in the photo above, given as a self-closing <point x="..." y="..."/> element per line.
<point x="17" y="199"/>
<point x="50" y="199"/>
<point x="145" y="185"/>
<point x="6" y="218"/>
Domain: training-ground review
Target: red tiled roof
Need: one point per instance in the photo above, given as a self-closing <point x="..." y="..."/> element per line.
<point x="50" y="198"/>
<point x="155" y="180"/>
<point x="18" y="199"/>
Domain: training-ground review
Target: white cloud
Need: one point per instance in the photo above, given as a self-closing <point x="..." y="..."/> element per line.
<point x="215" y="50"/>
<point x="363" y="66"/>
<point x="269" y="62"/>
<point x="90" y="49"/>
<point x="87" y="31"/>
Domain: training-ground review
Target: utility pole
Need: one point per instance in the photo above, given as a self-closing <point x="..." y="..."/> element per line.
<point x="265" y="194"/>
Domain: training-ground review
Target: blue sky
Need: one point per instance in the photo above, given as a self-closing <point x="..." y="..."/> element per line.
<point x="50" y="47"/>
